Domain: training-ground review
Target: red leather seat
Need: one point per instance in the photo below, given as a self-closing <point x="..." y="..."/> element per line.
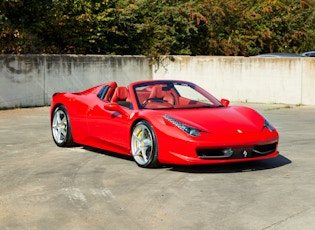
<point x="121" y="94"/>
<point x="159" y="93"/>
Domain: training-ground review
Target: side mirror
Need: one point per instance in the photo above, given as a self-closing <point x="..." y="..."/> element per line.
<point x="225" y="102"/>
<point x="112" y="106"/>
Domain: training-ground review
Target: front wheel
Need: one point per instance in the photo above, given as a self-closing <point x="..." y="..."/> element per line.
<point x="144" y="145"/>
<point x="60" y="127"/>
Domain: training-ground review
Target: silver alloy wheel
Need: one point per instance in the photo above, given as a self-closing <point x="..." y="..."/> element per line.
<point x="142" y="145"/>
<point x="60" y="126"/>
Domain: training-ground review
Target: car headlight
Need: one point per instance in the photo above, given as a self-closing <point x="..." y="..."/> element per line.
<point x="269" y="126"/>
<point x="187" y="129"/>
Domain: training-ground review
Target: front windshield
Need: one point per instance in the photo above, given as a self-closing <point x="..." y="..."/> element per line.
<point x="173" y="95"/>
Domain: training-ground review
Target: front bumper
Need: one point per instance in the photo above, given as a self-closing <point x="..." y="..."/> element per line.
<point x="214" y="149"/>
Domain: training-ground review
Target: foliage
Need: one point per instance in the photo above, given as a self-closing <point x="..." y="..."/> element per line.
<point x="157" y="27"/>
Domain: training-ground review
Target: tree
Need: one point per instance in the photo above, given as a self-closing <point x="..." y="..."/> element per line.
<point x="157" y="27"/>
<point x="253" y="27"/>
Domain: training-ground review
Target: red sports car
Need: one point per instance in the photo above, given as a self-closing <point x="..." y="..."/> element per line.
<point x="162" y="122"/>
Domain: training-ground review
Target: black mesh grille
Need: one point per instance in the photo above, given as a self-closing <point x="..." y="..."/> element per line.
<point x="235" y="153"/>
<point x="211" y="153"/>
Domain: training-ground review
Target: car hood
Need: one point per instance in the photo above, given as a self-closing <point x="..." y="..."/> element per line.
<point x="225" y="120"/>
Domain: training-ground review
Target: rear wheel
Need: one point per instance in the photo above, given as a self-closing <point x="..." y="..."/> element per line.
<point x="144" y="145"/>
<point x="61" y="128"/>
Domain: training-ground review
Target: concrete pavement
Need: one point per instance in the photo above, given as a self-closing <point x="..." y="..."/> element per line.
<point x="46" y="187"/>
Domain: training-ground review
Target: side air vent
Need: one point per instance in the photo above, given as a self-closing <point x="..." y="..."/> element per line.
<point x="265" y="149"/>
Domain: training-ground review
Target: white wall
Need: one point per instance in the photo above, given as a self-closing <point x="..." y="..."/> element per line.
<point x="251" y="79"/>
<point x="21" y="81"/>
<point x="30" y="80"/>
<point x="308" y="82"/>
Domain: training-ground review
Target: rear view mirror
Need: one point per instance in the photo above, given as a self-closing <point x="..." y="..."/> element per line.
<point x="113" y="106"/>
<point x="225" y="102"/>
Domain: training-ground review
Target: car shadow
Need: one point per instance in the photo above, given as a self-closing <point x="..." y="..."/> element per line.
<point x="249" y="166"/>
<point x="108" y="153"/>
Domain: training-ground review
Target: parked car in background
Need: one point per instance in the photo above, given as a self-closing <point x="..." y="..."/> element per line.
<point x="309" y="54"/>
<point x="279" y="55"/>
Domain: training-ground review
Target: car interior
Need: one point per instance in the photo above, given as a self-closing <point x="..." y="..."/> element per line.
<point x="157" y="96"/>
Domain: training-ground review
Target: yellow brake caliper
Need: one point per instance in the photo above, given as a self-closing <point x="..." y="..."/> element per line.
<point x="139" y="143"/>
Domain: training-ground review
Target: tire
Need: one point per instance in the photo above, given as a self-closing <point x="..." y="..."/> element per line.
<point x="144" y="146"/>
<point x="61" y="128"/>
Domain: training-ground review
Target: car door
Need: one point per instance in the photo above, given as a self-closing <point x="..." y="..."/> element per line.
<point x="108" y="129"/>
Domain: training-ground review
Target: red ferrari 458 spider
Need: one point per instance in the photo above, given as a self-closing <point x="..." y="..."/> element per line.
<point x="162" y="122"/>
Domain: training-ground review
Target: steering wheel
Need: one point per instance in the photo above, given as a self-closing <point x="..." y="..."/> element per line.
<point x="154" y="100"/>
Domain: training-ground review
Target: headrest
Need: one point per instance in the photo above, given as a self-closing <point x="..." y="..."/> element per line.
<point x="157" y="92"/>
<point x="121" y="93"/>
